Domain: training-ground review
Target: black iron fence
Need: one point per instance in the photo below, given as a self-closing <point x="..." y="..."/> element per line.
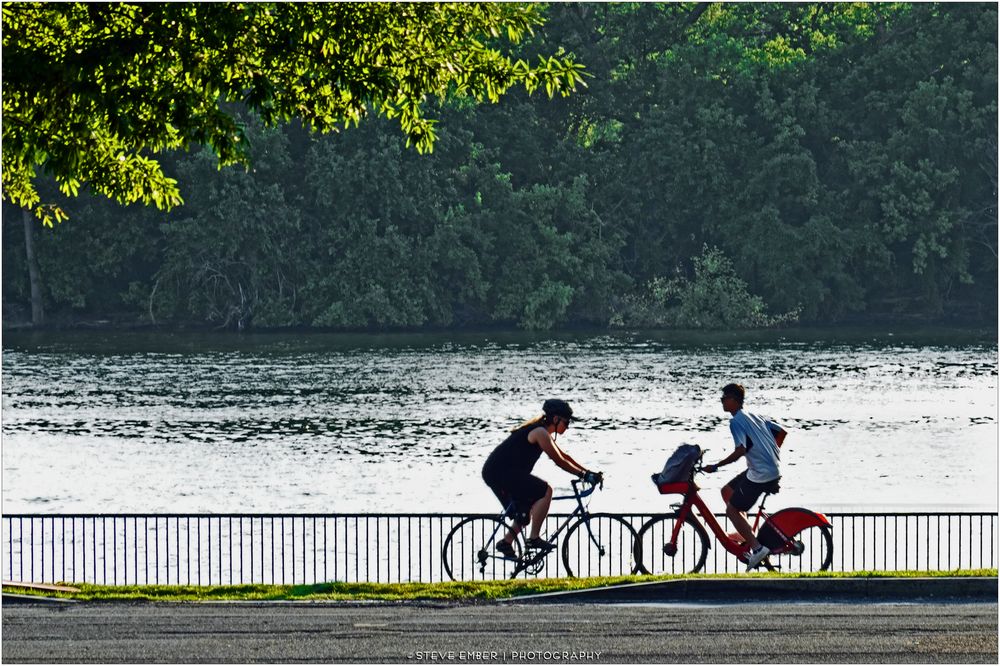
<point x="302" y="549"/>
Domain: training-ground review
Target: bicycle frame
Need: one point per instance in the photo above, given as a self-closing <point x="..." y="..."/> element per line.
<point x="783" y="523"/>
<point x="788" y="532"/>
<point x="579" y="511"/>
<point x="692" y="498"/>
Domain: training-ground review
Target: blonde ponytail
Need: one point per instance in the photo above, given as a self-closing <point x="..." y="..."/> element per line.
<point x="536" y="421"/>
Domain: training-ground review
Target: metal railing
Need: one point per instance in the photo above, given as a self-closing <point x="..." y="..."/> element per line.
<point x="233" y="549"/>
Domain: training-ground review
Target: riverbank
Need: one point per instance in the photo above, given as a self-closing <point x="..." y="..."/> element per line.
<point x="627" y="586"/>
<point x="83" y="338"/>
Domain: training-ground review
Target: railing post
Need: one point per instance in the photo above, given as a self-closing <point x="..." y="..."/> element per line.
<point x="411" y="546"/>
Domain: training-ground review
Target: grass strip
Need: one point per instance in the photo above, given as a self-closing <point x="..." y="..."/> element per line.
<point x="451" y="591"/>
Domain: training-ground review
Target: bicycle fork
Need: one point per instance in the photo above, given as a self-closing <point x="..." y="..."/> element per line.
<point x="683" y="510"/>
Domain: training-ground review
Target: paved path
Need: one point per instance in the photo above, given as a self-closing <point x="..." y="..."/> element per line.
<point x="785" y="632"/>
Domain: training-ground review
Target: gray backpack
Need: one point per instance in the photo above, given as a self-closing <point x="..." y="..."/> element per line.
<point x="679" y="465"/>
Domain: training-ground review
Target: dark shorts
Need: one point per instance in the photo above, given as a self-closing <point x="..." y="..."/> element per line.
<point x="746" y="492"/>
<point x="521" y="489"/>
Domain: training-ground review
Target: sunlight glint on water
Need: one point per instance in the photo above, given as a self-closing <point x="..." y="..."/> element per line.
<point x="279" y="426"/>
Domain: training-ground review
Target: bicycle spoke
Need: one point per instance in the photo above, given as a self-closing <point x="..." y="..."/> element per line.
<point x="815" y="546"/>
<point x="599" y="545"/>
<point x="470" y="553"/>
<point x="656" y="555"/>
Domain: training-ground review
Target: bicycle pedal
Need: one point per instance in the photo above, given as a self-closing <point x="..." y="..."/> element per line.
<point x="767" y="564"/>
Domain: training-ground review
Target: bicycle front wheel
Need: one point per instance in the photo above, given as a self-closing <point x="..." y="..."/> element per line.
<point x="599" y="545"/>
<point x="655" y="555"/>
<point x="469" y="551"/>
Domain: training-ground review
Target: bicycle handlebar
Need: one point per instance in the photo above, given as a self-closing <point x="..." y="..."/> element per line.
<point x="699" y="465"/>
<point x="576" y="483"/>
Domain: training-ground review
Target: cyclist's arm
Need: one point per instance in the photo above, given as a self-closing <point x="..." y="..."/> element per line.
<point x="737" y="453"/>
<point x="570" y="458"/>
<point x="585" y="470"/>
<point x="541" y="437"/>
<point x="777" y="431"/>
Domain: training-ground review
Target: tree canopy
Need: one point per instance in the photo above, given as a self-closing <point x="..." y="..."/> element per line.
<point x="92" y="90"/>
<point x="727" y="165"/>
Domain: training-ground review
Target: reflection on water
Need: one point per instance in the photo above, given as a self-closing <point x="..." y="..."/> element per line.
<point x="118" y="423"/>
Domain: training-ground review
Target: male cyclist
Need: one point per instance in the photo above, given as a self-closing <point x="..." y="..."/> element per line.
<point x="758" y="439"/>
<point x="508" y="472"/>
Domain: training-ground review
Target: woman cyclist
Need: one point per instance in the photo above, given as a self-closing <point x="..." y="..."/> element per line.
<point x="508" y="472"/>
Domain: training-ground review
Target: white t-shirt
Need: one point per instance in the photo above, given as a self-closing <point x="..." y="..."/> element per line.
<point x="756" y="434"/>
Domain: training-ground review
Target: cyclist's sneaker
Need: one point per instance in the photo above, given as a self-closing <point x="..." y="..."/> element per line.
<point x="756" y="556"/>
<point x="538" y="543"/>
<point x="507" y="550"/>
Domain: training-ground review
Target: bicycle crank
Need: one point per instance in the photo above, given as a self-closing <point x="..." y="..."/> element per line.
<point x="534" y="562"/>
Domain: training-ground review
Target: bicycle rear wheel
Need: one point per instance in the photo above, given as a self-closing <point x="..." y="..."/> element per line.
<point x="599" y="545"/>
<point x="469" y="551"/>
<point x="654" y="555"/>
<point x="813" y="551"/>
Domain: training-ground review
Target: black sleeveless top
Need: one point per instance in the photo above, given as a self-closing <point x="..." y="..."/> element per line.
<point x="515" y="455"/>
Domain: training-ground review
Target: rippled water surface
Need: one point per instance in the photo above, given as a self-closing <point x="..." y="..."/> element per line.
<point x="168" y="423"/>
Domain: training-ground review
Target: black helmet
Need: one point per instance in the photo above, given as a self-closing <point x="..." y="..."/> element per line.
<point x="557" y="407"/>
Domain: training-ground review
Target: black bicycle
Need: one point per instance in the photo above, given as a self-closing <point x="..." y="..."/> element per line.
<point x="596" y="544"/>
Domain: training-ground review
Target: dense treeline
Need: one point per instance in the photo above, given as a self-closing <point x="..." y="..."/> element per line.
<point x="728" y="165"/>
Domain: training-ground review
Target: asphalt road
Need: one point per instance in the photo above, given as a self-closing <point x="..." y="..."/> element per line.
<point x="938" y="632"/>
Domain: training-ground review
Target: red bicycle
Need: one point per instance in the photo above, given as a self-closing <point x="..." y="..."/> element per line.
<point x="799" y="539"/>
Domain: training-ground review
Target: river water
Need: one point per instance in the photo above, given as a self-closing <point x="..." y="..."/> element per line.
<point x="130" y="422"/>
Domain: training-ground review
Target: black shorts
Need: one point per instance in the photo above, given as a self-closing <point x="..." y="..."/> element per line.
<point x="746" y="492"/>
<point x="521" y="489"/>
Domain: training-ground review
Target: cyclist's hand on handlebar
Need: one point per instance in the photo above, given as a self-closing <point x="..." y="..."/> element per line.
<point x="593" y="477"/>
<point x="708" y="469"/>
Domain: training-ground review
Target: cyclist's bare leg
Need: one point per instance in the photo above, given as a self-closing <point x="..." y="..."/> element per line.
<point x="727" y="494"/>
<point x="539" y="510"/>
<point x="512" y="533"/>
<point x="739" y="521"/>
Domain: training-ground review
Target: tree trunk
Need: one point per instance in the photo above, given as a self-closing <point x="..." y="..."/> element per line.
<point x="34" y="275"/>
